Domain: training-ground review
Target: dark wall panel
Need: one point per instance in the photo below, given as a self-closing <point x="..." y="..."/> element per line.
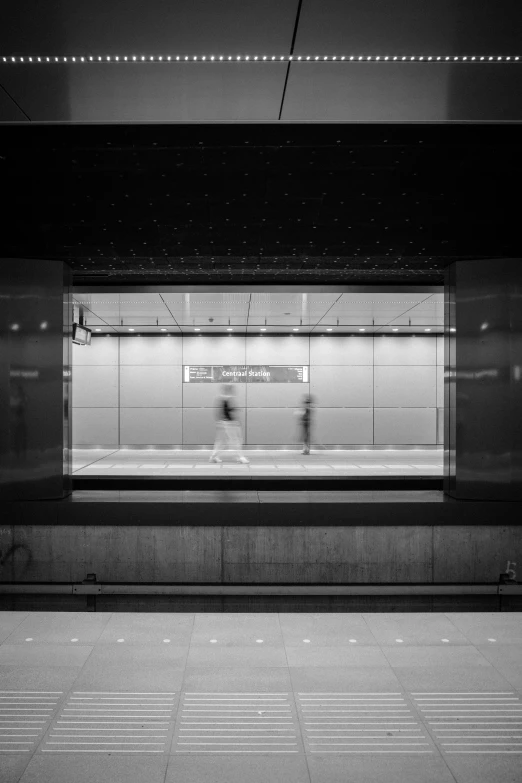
<point x="403" y="92"/>
<point x="35" y="378"/>
<point x="483" y="448"/>
<point x="120" y="27"/>
<point x="422" y="27"/>
<point x="146" y="93"/>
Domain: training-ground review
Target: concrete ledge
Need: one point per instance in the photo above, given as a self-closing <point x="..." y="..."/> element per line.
<point x="249" y="589"/>
<point x="235" y="510"/>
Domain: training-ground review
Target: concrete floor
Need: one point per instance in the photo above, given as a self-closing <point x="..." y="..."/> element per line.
<point x="228" y="698"/>
<point x="160" y="462"/>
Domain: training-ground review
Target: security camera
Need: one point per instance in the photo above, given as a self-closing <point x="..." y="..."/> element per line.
<point x="211" y="320"/>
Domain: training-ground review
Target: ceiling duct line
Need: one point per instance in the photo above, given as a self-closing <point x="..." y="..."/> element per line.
<point x="296" y="24"/>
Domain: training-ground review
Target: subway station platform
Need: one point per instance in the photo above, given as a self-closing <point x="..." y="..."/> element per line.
<point x="149" y="469"/>
<point x="299" y="698"/>
<point x="321" y="462"/>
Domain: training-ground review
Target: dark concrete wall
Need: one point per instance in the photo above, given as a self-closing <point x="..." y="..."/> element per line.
<point x="226" y="554"/>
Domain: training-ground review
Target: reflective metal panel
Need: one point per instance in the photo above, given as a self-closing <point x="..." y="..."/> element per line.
<point x="35" y="379"/>
<point x="483" y="438"/>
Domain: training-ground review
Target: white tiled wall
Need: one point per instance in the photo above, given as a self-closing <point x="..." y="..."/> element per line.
<point x="150" y="426"/>
<point x="277" y="426"/>
<point x="413" y="426"/>
<point x="95" y="426"/>
<point x="369" y="390"/>
<point x="199" y="425"/>
<point x="342" y="386"/>
<point x="402" y="386"/>
<point x="343" y="350"/>
<point x="150" y="387"/>
<point x="141" y="350"/>
<point x="407" y="350"/>
<point x="356" y="424"/>
<point x="95" y="386"/>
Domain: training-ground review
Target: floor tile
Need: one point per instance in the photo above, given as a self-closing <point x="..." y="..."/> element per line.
<point x="37" y="677"/>
<point x="484" y="767"/>
<point x="236" y="638"/>
<point x="61" y="627"/>
<point x="407" y="656"/>
<point x="98" y="722"/>
<point x="451" y="678"/>
<point x="35" y="655"/>
<point x="349" y="679"/>
<point x="237" y="769"/>
<point x="238" y="678"/>
<point x="262" y="462"/>
<point x="379" y="768"/>
<point x="353" y="655"/>
<point x="415" y="628"/>
<point x="9" y="621"/>
<point x="325" y="630"/>
<point x="507" y="659"/>
<point x="90" y="768"/>
<point x="253" y="656"/>
<point x="133" y="668"/>
<point x="504" y="627"/>
<point x="237" y="723"/>
<point x="12" y="766"/>
<point x="237" y="630"/>
<point x="25" y="716"/>
<point x="138" y="628"/>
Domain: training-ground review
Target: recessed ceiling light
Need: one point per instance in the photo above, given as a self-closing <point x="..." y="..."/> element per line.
<point x="427" y="330"/>
<point x="262" y="329"/>
<point x="229" y="329"/>
<point x="197" y="329"/>
<point x="131" y="330"/>
<point x="395" y="330"/>
<point x="295" y="329"/>
<point x="97" y="330"/>
<point x="329" y="329"/>
<point x="163" y="330"/>
<point x="362" y="330"/>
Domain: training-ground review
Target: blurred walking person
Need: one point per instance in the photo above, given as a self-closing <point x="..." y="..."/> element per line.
<point x="306" y="423"/>
<point x="228" y="428"/>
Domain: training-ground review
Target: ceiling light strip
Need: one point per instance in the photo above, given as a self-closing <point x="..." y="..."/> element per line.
<point x="142" y="59"/>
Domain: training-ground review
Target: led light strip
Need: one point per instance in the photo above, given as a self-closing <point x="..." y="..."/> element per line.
<point x="258" y="58"/>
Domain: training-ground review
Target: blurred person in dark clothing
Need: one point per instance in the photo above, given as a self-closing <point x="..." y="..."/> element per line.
<point x="306" y="422"/>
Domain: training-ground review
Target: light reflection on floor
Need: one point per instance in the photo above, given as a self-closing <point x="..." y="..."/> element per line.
<point x="159" y="462"/>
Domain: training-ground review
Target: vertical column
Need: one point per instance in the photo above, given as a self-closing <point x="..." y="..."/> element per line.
<point x="35" y="379"/>
<point x="483" y="380"/>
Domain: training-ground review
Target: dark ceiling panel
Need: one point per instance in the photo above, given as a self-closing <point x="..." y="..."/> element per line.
<point x="260" y="203"/>
<point x="403" y="92"/>
<point x="146" y="93"/>
<point x="421" y="27"/>
<point x="119" y="27"/>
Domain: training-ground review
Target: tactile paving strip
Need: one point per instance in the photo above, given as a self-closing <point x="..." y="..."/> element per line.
<point x="473" y="722"/>
<point x="24" y="718"/>
<point x="360" y="723"/>
<point x="113" y="722"/>
<point x="237" y="723"/>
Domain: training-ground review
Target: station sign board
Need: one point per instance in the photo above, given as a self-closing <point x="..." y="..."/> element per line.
<point x="246" y="373"/>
